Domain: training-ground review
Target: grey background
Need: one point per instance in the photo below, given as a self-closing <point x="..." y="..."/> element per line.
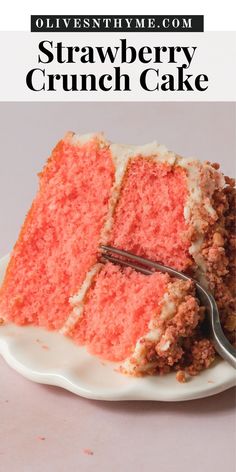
<point x="29" y="131"/>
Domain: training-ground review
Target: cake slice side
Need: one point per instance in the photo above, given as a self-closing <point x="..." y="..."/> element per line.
<point x="59" y="240"/>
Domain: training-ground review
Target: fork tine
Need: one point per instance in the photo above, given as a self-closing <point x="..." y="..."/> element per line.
<point x="143" y="261"/>
<point x="115" y="260"/>
<point x="129" y="255"/>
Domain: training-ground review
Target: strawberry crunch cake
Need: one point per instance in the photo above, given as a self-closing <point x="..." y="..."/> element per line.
<point x="142" y="199"/>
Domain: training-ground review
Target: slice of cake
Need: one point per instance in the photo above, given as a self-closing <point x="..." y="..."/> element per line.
<point x="143" y="199"/>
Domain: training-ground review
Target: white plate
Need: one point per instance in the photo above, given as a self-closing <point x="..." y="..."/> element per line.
<point x="50" y="358"/>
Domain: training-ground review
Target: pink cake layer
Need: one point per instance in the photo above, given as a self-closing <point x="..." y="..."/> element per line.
<point x="118" y="308"/>
<point x="149" y="217"/>
<point x="59" y="240"/>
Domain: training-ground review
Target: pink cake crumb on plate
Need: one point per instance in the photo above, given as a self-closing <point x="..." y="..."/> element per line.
<point x="88" y="451"/>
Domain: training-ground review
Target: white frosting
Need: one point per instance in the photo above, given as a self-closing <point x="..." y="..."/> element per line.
<point x="124" y="151"/>
<point x="77" y="301"/>
<point x="199" y="197"/>
<point x="85" y="138"/>
<point x="165" y="344"/>
<point x="120" y="162"/>
<point x="169" y="307"/>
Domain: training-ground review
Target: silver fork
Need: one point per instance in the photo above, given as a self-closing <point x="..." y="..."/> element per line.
<point x="147" y="267"/>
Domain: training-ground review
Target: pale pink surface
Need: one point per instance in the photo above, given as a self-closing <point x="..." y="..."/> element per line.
<point x="195" y="436"/>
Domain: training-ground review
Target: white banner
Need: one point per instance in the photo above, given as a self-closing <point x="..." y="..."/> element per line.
<point x="135" y="67"/>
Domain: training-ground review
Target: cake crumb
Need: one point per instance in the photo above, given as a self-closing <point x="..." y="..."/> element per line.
<point x="1" y="321"/>
<point x="88" y="451"/>
<point x="181" y="376"/>
<point x="210" y="381"/>
<point x="41" y="438"/>
<point x="218" y="239"/>
<point x="44" y="346"/>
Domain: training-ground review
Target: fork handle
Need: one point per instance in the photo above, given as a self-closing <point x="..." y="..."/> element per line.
<point x="222" y="345"/>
